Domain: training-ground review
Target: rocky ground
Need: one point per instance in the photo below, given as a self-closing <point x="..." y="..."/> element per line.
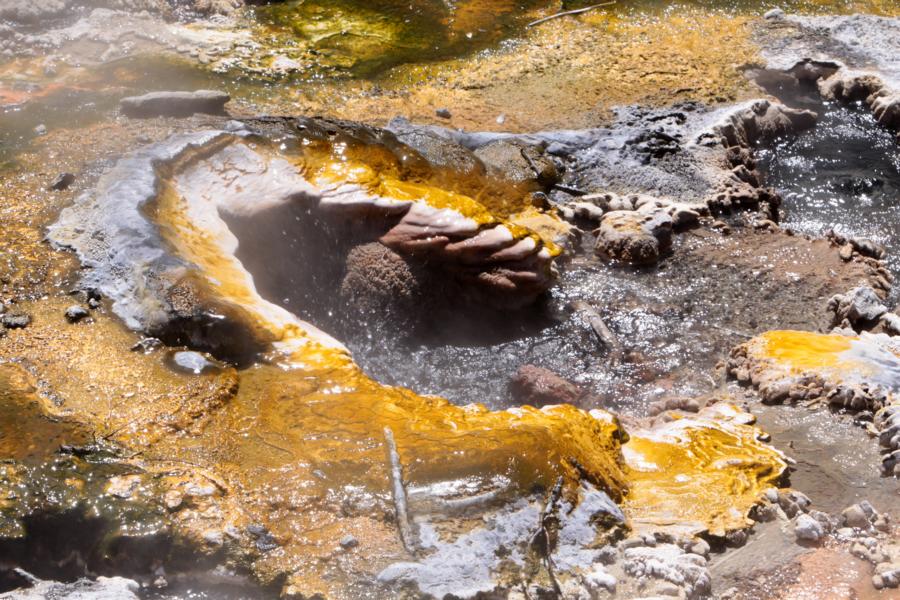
<point x="173" y="412"/>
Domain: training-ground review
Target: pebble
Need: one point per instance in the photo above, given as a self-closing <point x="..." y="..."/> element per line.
<point x="62" y="182"/>
<point x="146" y="345"/>
<point x="443" y="113"/>
<point x="173" y="499"/>
<point x="76" y="313"/>
<point x="16" y="320"/>
<point x="775" y="13"/>
<point x="736" y="539"/>
<point x="855" y="516"/>
<point x="40" y="129"/>
<point x="700" y="547"/>
<point x="214" y="537"/>
<point x="807" y="528"/>
<point x="348" y="541"/>
<point x="193" y="362"/>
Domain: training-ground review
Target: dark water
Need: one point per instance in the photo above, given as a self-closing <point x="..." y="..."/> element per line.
<point x="844" y="175"/>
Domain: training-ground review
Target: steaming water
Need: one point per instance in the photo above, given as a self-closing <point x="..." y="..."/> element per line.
<point x="676" y="320"/>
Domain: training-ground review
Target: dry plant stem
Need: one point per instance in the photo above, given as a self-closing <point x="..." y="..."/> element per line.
<point x="606" y="337"/>
<point x="567" y="13"/>
<point x="400" y="506"/>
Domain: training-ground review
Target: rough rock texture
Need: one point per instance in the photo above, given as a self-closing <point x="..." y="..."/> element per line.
<point x="850" y="58"/>
<point x="764" y="122"/>
<point x="672" y="564"/>
<point x="860" y="307"/>
<point x="518" y="161"/>
<point x="104" y="588"/>
<point x="689" y="157"/>
<point x="634" y="237"/>
<point x="25" y="11"/>
<point x="857" y="41"/>
<point x="175" y="104"/>
<point x="592" y="207"/>
<point x="379" y="279"/>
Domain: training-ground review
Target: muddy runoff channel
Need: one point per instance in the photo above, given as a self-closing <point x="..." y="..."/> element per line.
<point x="415" y="361"/>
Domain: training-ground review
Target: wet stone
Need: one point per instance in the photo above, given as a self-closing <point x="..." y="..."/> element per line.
<point x="193" y="362"/>
<point x="15" y="320"/>
<point x="62" y="182"/>
<point x="76" y="313"/>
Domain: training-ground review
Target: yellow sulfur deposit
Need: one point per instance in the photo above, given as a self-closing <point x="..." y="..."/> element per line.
<point x="702" y="473"/>
<point x="297" y="444"/>
<point x="803" y="350"/>
<point x="832" y="356"/>
<point x="325" y="415"/>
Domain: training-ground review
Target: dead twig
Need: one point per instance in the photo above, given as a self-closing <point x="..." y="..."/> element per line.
<point x="607" y="338"/>
<point x="542" y="541"/>
<point x="569" y="190"/>
<point x="567" y="13"/>
<point x="399" y="493"/>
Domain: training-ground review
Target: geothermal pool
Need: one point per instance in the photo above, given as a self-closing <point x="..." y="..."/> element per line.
<point x="449" y="299"/>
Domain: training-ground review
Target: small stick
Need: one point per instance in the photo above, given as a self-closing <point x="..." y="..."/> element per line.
<point x="566" y="13"/>
<point x="27" y="576"/>
<point x="541" y="540"/>
<point x="400" y="506"/>
<point x="569" y="190"/>
<point x="606" y="337"/>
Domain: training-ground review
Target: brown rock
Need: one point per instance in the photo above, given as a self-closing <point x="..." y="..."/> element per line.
<point x="537" y="386"/>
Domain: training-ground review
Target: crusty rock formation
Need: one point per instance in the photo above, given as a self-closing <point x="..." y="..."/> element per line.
<point x="852" y="372"/>
<point x="634" y="237"/>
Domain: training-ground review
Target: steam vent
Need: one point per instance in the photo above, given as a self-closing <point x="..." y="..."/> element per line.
<point x="310" y="299"/>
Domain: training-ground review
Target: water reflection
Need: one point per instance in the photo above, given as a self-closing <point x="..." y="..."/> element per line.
<point x="843" y="174"/>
